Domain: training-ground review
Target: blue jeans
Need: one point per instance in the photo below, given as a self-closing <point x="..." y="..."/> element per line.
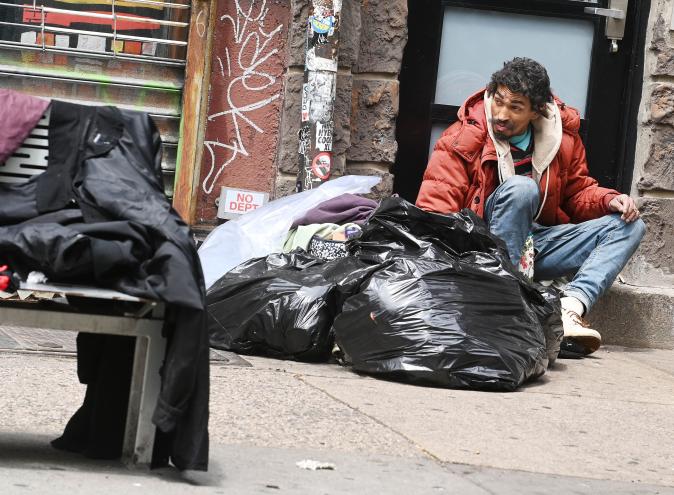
<point x="592" y="252"/>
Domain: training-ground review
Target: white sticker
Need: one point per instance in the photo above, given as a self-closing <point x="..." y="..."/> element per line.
<point x="319" y="63"/>
<point x="324" y="136"/>
<point x="234" y="202"/>
<point x="337" y="6"/>
<point x="149" y="48"/>
<point x="91" y="43"/>
<point x="305" y="102"/>
<point x="321" y="95"/>
<point x="29" y="38"/>
<point x="62" y="41"/>
<point x="304" y="138"/>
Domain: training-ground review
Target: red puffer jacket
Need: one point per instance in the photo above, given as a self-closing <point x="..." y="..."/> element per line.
<point x="463" y="171"/>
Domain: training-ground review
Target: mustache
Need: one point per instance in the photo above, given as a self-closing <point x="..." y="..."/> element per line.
<point x="501" y="123"/>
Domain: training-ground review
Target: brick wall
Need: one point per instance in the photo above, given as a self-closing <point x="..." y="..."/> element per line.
<point x="372" y="38"/>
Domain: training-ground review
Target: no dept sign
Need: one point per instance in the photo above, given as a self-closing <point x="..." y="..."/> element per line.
<point x="235" y="202"/>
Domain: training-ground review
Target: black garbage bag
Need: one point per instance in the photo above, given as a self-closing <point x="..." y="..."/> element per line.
<point x="550" y="316"/>
<point x="282" y="305"/>
<point x="445" y="307"/>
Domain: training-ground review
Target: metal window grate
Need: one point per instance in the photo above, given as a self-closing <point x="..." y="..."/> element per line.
<point x="151" y="31"/>
<point x="127" y="53"/>
<point x="31" y="158"/>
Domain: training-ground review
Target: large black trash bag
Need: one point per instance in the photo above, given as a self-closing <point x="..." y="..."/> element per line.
<point x="445" y="307"/>
<point x="282" y="305"/>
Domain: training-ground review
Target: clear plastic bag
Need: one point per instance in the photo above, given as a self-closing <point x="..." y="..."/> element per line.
<point x="261" y="232"/>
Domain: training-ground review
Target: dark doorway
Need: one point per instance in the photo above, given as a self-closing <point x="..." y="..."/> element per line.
<point x="449" y="49"/>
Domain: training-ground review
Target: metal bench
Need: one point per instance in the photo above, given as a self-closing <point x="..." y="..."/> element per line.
<point x="144" y="322"/>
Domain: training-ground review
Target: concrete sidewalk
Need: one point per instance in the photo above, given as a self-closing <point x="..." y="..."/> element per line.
<point x="597" y="425"/>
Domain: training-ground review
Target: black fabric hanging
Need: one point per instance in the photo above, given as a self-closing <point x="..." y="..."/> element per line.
<point x="98" y="215"/>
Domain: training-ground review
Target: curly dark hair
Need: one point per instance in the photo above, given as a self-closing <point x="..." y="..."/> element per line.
<point x="524" y="76"/>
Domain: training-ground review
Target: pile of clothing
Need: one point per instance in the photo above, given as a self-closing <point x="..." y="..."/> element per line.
<point x="416" y="296"/>
<point x="324" y="230"/>
<point x="98" y="216"/>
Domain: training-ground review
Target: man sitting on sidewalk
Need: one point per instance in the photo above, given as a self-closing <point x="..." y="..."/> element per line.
<point x="516" y="159"/>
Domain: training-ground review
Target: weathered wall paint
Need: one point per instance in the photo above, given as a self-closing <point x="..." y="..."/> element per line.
<point x="249" y="54"/>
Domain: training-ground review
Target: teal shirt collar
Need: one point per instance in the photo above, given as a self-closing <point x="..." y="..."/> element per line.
<point x="522" y="141"/>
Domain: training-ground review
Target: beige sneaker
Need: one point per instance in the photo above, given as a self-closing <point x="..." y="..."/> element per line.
<point x="577" y="332"/>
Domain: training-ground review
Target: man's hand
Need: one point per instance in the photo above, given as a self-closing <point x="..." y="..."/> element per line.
<point x="625" y="205"/>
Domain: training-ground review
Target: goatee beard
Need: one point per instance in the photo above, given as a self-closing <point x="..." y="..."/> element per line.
<point x="500" y="136"/>
<point x="497" y="134"/>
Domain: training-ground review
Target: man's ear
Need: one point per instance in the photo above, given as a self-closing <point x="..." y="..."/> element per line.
<point x="535" y="116"/>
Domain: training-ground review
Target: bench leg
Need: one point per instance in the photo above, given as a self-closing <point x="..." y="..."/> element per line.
<point x="145" y="388"/>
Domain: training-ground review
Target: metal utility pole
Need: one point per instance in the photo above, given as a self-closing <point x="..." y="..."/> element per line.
<point x="318" y="94"/>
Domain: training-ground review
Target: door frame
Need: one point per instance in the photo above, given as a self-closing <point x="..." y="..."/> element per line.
<point x="195" y="105"/>
<point x="419" y="75"/>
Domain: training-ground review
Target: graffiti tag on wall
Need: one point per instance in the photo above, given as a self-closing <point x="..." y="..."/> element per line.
<point x="244" y="84"/>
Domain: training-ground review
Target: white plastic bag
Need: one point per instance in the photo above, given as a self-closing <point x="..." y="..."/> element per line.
<point x="262" y="231"/>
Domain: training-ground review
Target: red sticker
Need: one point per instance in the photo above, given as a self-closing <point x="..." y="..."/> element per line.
<point x="321" y="165"/>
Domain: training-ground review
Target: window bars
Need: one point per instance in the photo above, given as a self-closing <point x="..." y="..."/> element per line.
<point x="153" y="31"/>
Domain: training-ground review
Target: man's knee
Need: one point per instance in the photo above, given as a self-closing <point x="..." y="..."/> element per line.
<point x="635" y="231"/>
<point x="639" y="228"/>
<point x="521" y="187"/>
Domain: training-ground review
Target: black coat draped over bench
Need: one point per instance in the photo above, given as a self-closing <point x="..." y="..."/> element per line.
<point x="99" y="216"/>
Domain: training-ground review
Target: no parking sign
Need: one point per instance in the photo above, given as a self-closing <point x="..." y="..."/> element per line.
<point x="321" y="165"/>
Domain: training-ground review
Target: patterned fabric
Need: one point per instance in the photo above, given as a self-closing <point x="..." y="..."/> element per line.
<point x="300" y="236"/>
<point x="327" y="249"/>
<point x="522" y="159"/>
<point x="526" y="265"/>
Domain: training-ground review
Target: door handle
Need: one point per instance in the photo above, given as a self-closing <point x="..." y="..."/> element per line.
<point x="612" y="13"/>
<point x="616" y="17"/>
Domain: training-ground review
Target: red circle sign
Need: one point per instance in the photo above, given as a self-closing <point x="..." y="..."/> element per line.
<point x="321" y="165"/>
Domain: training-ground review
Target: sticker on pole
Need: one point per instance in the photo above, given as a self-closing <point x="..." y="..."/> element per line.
<point x="235" y="202"/>
<point x="324" y="136"/>
<point x="321" y="165"/>
<point x="305" y="102"/>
